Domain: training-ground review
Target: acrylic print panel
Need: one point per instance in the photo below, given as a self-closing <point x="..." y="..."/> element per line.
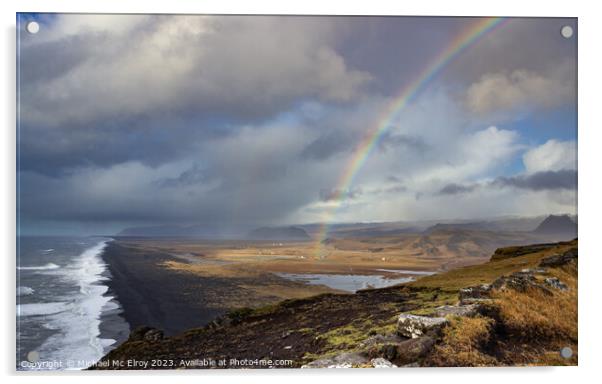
<point x="199" y="191"/>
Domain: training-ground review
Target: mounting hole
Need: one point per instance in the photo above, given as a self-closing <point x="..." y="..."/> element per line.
<point x="566" y="352"/>
<point x="566" y="31"/>
<point x="32" y="27"/>
<point x="33" y="356"/>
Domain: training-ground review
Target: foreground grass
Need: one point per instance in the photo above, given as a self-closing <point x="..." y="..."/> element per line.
<point x="516" y="328"/>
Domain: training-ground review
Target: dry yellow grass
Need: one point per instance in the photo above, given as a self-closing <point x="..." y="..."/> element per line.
<point x="536" y="316"/>
<point x="516" y="328"/>
<point x="520" y="328"/>
<point x="463" y="343"/>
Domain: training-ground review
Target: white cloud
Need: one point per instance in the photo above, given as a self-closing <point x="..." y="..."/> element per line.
<point x="552" y="156"/>
<point x="449" y="151"/>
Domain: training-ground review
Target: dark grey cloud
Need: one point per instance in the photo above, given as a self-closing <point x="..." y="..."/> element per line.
<point x="393" y="141"/>
<point x="455" y="189"/>
<point x="152" y="141"/>
<point x="547" y="180"/>
<point x="192" y="176"/>
<point x="224" y="66"/>
<point x="327" y="145"/>
<point x="147" y="88"/>
<point x="73" y="52"/>
<point x="99" y="90"/>
<point x="539" y="181"/>
<point x="339" y="194"/>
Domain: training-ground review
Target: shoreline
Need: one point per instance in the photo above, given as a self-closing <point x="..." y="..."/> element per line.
<point x="151" y="295"/>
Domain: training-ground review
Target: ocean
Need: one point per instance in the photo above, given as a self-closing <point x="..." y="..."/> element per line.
<point x="66" y="316"/>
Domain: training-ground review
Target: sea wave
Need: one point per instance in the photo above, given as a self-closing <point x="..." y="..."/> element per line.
<point x="39" y="267"/>
<point x="79" y="326"/>
<point x="41" y="309"/>
<point x="24" y="291"/>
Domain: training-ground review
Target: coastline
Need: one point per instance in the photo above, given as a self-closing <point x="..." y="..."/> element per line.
<point x="151" y="295"/>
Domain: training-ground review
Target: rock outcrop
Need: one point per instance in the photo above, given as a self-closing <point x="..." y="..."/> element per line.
<point x="516" y="251"/>
<point x="456" y="310"/>
<point x="519" y="281"/>
<point x="560" y="259"/>
<point x="554" y="282"/>
<point x="146" y="334"/>
<point x="412" y="350"/>
<point x="344" y="360"/>
<point x="475" y="294"/>
<point x="379" y="362"/>
<point x="413" y="326"/>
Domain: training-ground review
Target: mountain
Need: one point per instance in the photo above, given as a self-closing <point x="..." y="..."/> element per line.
<point x="279" y="233"/>
<point x="167" y="231"/>
<point x="477" y="226"/>
<point x="561" y="225"/>
<point x="501" y="224"/>
<point x="377" y="232"/>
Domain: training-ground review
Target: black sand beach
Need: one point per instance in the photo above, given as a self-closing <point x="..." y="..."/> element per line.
<point x="155" y="296"/>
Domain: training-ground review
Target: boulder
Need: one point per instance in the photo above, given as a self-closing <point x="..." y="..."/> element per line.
<point x="413" y="326"/>
<point x="554" y="282"/>
<point x="382" y="345"/>
<point x="153" y="335"/>
<point x="382" y="339"/>
<point x="559" y="260"/>
<point x="379" y="362"/>
<point x="475" y="294"/>
<point x="344" y="360"/>
<point x="410" y="351"/>
<point x="456" y="310"/>
<point x="144" y="333"/>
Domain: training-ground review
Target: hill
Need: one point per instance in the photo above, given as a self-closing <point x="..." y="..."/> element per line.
<point x="517" y="310"/>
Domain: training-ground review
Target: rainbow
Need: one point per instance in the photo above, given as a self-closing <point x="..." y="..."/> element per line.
<point x="463" y="41"/>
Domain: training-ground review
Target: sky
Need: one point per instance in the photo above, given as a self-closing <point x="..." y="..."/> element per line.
<point x="236" y="122"/>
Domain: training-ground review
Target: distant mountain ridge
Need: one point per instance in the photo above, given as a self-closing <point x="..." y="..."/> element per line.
<point x="167" y="231"/>
<point x="550" y="226"/>
<point x="557" y="225"/>
<point x="279" y="233"/>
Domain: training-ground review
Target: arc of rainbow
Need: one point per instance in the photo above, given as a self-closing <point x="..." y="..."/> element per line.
<point x="463" y="41"/>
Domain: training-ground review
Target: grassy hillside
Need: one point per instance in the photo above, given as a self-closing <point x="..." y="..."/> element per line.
<point x="516" y="324"/>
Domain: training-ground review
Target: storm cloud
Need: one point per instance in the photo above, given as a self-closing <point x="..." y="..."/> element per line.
<point x="235" y="122"/>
